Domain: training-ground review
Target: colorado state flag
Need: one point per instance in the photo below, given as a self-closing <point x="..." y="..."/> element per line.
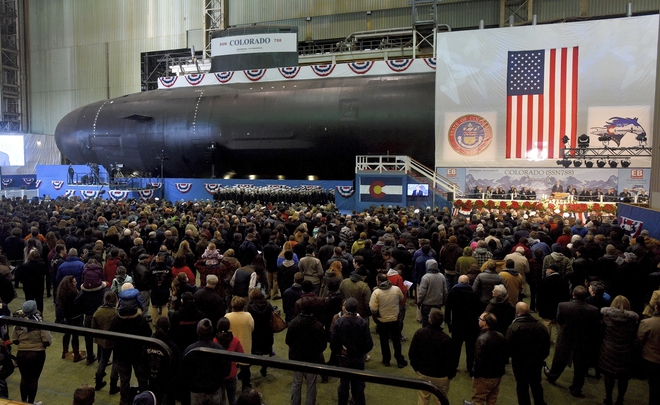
<point x="381" y="189"/>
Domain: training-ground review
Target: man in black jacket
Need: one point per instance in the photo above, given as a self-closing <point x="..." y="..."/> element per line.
<point x="578" y="336"/>
<point x="529" y="344"/>
<point x="462" y="315"/>
<point x="306" y="340"/>
<point x="489" y="361"/>
<point x="351" y="339"/>
<point x="432" y="356"/>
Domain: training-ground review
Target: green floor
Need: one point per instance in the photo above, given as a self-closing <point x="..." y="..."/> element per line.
<point x="61" y="377"/>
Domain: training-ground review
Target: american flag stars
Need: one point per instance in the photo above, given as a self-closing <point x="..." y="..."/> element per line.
<point x="525" y="75"/>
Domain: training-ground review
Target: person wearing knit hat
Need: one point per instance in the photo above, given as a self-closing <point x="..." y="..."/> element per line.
<point x="145" y="398"/>
<point x="432" y="290"/>
<point x="31" y="354"/>
<point x="204" y="374"/>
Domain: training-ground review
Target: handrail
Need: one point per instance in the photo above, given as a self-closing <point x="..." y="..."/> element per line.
<point x="333" y="371"/>
<point x="82" y="331"/>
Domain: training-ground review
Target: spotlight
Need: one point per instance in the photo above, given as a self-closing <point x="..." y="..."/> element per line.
<point x="565" y="139"/>
<point x="600" y="163"/>
<point x="605" y="139"/>
<point x="577" y="163"/>
<point x="641" y="138"/>
<point x="583" y="141"/>
<point x="614" y="163"/>
<point x="589" y="164"/>
<point x="625" y="163"/>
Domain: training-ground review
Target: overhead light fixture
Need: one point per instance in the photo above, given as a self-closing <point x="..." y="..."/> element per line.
<point x="625" y="163"/>
<point x="583" y="141"/>
<point x="613" y="163"/>
<point x="589" y="164"/>
<point x="605" y="139"/>
<point x="564" y="162"/>
<point x="577" y="163"/>
<point x="641" y="138"/>
<point x="600" y="163"/>
<point x="565" y="139"/>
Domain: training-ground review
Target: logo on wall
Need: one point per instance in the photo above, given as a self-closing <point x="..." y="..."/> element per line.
<point x="183" y="187"/>
<point x="470" y="135"/>
<point x="212" y="187"/>
<point x="637" y="174"/>
<point x="57" y="184"/>
<point x="617" y="127"/>
<point x="452" y="172"/>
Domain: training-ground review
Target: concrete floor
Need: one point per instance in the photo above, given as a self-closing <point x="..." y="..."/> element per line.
<point x="60" y="377"/>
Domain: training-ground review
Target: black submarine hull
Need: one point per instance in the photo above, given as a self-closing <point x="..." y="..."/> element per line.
<point x="290" y="128"/>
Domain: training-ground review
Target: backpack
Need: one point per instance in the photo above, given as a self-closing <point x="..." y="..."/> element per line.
<point x="7" y="365"/>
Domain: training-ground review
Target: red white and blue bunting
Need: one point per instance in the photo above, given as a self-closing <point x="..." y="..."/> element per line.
<point x="183" y="187"/>
<point x="430" y="62"/>
<point x="155" y="184"/>
<point x="146" y="194"/>
<point x="69" y="193"/>
<point x="89" y="193"/>
<point x="195" y="79"/>
<point x="361" y="68"/>
<point x="323" y="70"/>
<point x="57" y="184"/>
<point x="28" y="180"/>
<point x="631" y="226"/>
<point x="37" y="184"/>
<point x="289" y="72"/>
<point x="399" y="65"/>
<point x="255" y="74"/>
<point x="118" y="194"/>
<point x="167" y="81"/>
<point x="345" y="191"/>
<point x="224" y="77"/>
<point x="212" y="187"/>
<point x="6" y="182"/>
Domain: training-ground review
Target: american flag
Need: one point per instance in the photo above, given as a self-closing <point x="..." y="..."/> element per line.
<point x="541" y="102"/>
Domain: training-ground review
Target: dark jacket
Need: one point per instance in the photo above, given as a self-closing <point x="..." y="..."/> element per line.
<point x="351" y="339"/>
<point x="490" y="355"/>
<point x="504" y="312"/>
<point x="431" y="352"/>
<point x="211" y="304"/>
<point x="72" y="266"/>
<point x="528" y="342"/>
<point x="89" y="300"/>
<point x="617" y="351"/>
<point x="262" y="335"/>
<point x="306" y="339"/>
<point x="204" y="373"/>
<point x="552" y="290"/>
<point x="462" y="311"/>
<point x="134" y="324"/>
<point x="183" y="331"/>
<point x="580" y="327"/>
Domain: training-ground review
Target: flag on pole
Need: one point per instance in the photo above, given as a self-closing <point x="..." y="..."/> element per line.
<point x="541" y="102"/>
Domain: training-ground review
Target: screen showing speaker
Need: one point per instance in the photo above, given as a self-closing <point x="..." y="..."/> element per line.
<point x="418" y="190"/>
<point x="12" y="150"/>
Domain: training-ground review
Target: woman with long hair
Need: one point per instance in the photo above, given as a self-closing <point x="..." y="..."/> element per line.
<point x="186" y="252"/>
<point x="617" y="351"/>
<point x="31" y="354"/>
<point x="67" y="292"/>
<point x="32" y="274"/>
<point x="280" y="258"/>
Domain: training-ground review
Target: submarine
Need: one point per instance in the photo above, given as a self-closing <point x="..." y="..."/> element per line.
<point x="290" y="128"/>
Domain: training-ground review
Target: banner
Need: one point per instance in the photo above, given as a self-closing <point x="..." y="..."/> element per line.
<point x="533" y="85"/>
<point x="382" y="189"/>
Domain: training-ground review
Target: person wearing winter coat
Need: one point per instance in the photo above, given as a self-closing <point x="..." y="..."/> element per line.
<point x="384" y="304"/>
<point x="462" y="317"/>
<point x="432" y="290"/>
<point x="485" y="282"/>
<point x="448" y="256"/>
<point x="33" y="276"/>
<point x="102" y="319"/>
<point x="501" y="307"/>
<point x="262" y="335"/>
<point x="490" y="357"/>
<point x="464" y="262"/>
<point x="513" y="281"/>
<point x="617" y="350"/>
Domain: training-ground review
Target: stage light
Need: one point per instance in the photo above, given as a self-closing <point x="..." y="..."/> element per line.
<point x="564" y="162"/>
<point x="641" y="138"/>
<point x="565" y="139"/>
<point x="625" y="163"/>
<point x="605" y="139"/>
<point x="589" y="164"/>
<point x="613" y="163"/>
<point x="583" y="141"/>
<point x="577" y="163"/>
<point x="600" y="163"/>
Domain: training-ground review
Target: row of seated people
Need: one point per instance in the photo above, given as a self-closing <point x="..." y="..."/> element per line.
<point x="587" y="194"/>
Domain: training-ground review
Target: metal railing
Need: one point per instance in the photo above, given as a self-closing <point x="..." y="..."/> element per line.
<point x="331" y="371"/>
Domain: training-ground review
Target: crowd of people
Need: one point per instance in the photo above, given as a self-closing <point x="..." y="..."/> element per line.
<point x="586" y="194"/>
<point x="201" y="275"/>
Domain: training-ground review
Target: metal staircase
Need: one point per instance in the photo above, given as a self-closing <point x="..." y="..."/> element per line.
<point x="391" y="164"/>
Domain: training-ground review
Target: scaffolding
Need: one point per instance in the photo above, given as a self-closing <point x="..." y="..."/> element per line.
<point x="12" y="118"/>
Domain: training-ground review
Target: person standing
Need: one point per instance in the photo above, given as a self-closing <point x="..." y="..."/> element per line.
<point x="553" y="289"/>
<point x="33" y="276"/>
<point x="384" y="304"/>
<point x="31" y="354"/>
<point x="528" y="342"/>
<point x="648" y="336"/>
<point x="242" y="325"/>
<point x="579" y="325"/>
<point x="490" y="358"/>
<point x="312" y="268"/>
<point x="204" y="374"/>
<point x="432" y="356"/>
<point x="617" y="351"/>
<point x="306" y="340"/>
<point x="351" y="340"/>
<point x="102" y="319"/>
<point x="462" y="317"/>
<point x="432" y="290"/>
